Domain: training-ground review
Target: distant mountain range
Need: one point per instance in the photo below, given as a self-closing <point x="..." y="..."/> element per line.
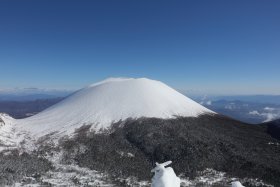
<point x="30" y="94"/>
<point x="262" y="99"/>
<point x="247" y="109"/>
<point x="26" y="108"/>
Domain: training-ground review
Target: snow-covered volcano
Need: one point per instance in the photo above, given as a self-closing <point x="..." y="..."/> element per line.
<point x="109" y="101"/>
<point x="138" y="142"/>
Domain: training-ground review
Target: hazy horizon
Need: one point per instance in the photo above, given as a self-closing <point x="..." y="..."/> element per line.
<point x="191" y="91"/>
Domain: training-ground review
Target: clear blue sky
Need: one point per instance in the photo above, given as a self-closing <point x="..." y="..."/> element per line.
<point x="226" y="46"/>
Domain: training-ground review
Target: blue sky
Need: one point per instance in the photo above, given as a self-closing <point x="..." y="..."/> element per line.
<point x="220" y="47"/>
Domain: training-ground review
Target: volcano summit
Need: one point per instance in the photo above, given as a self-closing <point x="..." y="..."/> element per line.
<point x="110" y="101"/>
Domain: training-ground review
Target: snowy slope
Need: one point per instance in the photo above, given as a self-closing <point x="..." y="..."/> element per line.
<point x="7" y="132"/>
<point x="109" y="101"/>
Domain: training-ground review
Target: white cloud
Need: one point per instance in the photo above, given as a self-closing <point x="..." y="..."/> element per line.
<point x="270" y="117"/>
<point x="267" y="116"/>
<point x="269" y="108"/>
<point x="254" y="113"/>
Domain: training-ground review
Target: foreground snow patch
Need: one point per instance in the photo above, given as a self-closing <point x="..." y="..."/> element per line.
<point x="236" y="184"/>
<point x="164" y="177"/>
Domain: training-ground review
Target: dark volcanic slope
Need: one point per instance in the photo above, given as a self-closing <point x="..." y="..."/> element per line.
<point x="273" y="128"/>
<point x="193" y="144"/>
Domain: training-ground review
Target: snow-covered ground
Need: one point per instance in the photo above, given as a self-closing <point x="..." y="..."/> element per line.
<point x="67" y="175"/>
<point x="73" y="175"/>
<point x="210" y="177"/>
<point x="7" y="132"/>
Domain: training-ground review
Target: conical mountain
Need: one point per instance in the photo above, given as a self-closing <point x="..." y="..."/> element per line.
<point x="112" y="100"/>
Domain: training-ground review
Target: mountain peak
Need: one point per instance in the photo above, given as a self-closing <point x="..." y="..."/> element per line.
<point x="119" y="79"/>
<point x="112" y="100"/>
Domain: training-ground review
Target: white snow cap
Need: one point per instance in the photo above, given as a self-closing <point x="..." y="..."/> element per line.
<point x="112" y="100"/>
<point x="236" y="184"/>
<point x="164" y="177"/>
